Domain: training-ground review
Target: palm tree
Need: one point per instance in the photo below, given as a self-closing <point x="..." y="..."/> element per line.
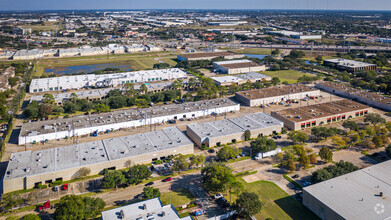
<point x="143" y="89"/>
<point x="129" y="89"/>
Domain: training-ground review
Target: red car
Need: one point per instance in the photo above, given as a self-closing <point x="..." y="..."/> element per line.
<point x="167" y="179"/>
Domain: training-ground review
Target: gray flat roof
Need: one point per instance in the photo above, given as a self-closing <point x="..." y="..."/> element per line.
<point x="149" y="209"/>
<point x="30" y="163"/>
<point x="235" y="125"/>
<point x="355" y="195"/>
<point x="66" y="124"/>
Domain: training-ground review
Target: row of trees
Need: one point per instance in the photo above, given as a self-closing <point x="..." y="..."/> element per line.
<point x="329" y="172"/>
<point x="117" y="178"/>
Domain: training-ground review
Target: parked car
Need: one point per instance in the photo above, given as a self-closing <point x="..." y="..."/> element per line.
<point x="295" y="176"/>
<point x="306" y="183"/>
<point x="211" y="150"/>
<point x="218" y="196"/>
<point x="149" y="184"/>
<point x="167" y="179"/>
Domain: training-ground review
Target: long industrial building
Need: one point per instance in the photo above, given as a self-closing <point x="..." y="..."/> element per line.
<point x="363" y="194"/>
<point x="97" y="94"/>
<point x="275" y="94"/>
<point x="232" y="130"/>
<point x="369" y="98"/>
<point x="325" y="113"/>
<point x="240" y="79"/>
<point x="35" y="132"/>
<point x="238" y="66"/>
<point x="27" y="169"/>
<point x="349" y="65"/>
<point x="104" y="80"/>
<point x="208" y="56"/>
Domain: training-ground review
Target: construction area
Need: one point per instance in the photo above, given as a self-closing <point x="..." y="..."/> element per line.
<point x="325" y="113"/>
<point x="276" y="94"/>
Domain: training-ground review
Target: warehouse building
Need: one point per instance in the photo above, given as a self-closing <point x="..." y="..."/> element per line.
<point x="325" y="113"/>
<point x="151" y="209"/>
<point x="238" y="66"/>
<point x="231" y="130"/>
<point x="240" y="79"/>
<point x="369" y="98"/>
<point x="27" y="169"/>
<point x="275" y="94"/>
<point x="97" y="94"/>
<point x="349" y="65"/>
<point x="34" y="132"/>
<point x="104" y="80"/>
<point x="208" y="56"/>
<point x="363" y="194"/>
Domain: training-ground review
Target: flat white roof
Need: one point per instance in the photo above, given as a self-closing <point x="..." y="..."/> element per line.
<point x="233" y="62"/>
<point x="30" y="163"/>
<point x="349" y="63"/>
<point x="234" y="125"/>
<point x="356" y="195"/>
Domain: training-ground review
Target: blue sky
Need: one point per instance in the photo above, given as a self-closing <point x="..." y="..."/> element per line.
<point x="195" y="4"/>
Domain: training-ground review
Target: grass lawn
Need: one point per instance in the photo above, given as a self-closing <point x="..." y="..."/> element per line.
<point x="178" y="197"/>
<point x="285" y="75"/>
<point x="48" y="26"/>
<point x="254" y="51"/>
<point x="172" y="61"/>
<point x="277" y="204"/>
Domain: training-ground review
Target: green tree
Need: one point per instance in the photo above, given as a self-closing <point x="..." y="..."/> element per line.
<point x="113" y="179"/>
<point x="298" y="137"/>
<point x="378" y="141"/>
<point x="197" y="160"/>
<point x="299" y="150"/>
<point x="9" y="201"/>
<point x="73" y="207"/>
<point x="326" y="154"/>
<point x="351" y="125"/>
<point x="45" y="110"/>
<point x="338" y="141"/>
<point x="150" y="193"/>
<point x="99" y="108"/>
<point x="73" y="97"/>
<point x="261" y="144"/>
<point x="31" y="217"/>
<point x="374" y="118"/>
<point x="247" y="204"/>
<point x="247" y="135"/>
<point x="304" y="161"/>
<point x="313" y="159"/>
<point x="143" y="89"/>
<point x="137" y="173"/>
<point x="129" y="90"/>
<point x="180" y="163"/>
<point x="275" y="81"/>
<point x="216" y="177"/>
<point x="48" y="99"/>
<point x="227" y="153"/>
<point x="319" y="59"/>
<point x="291" y="166"/>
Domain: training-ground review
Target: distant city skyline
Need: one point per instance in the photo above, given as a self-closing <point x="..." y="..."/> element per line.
<point x="195" y="4"/>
